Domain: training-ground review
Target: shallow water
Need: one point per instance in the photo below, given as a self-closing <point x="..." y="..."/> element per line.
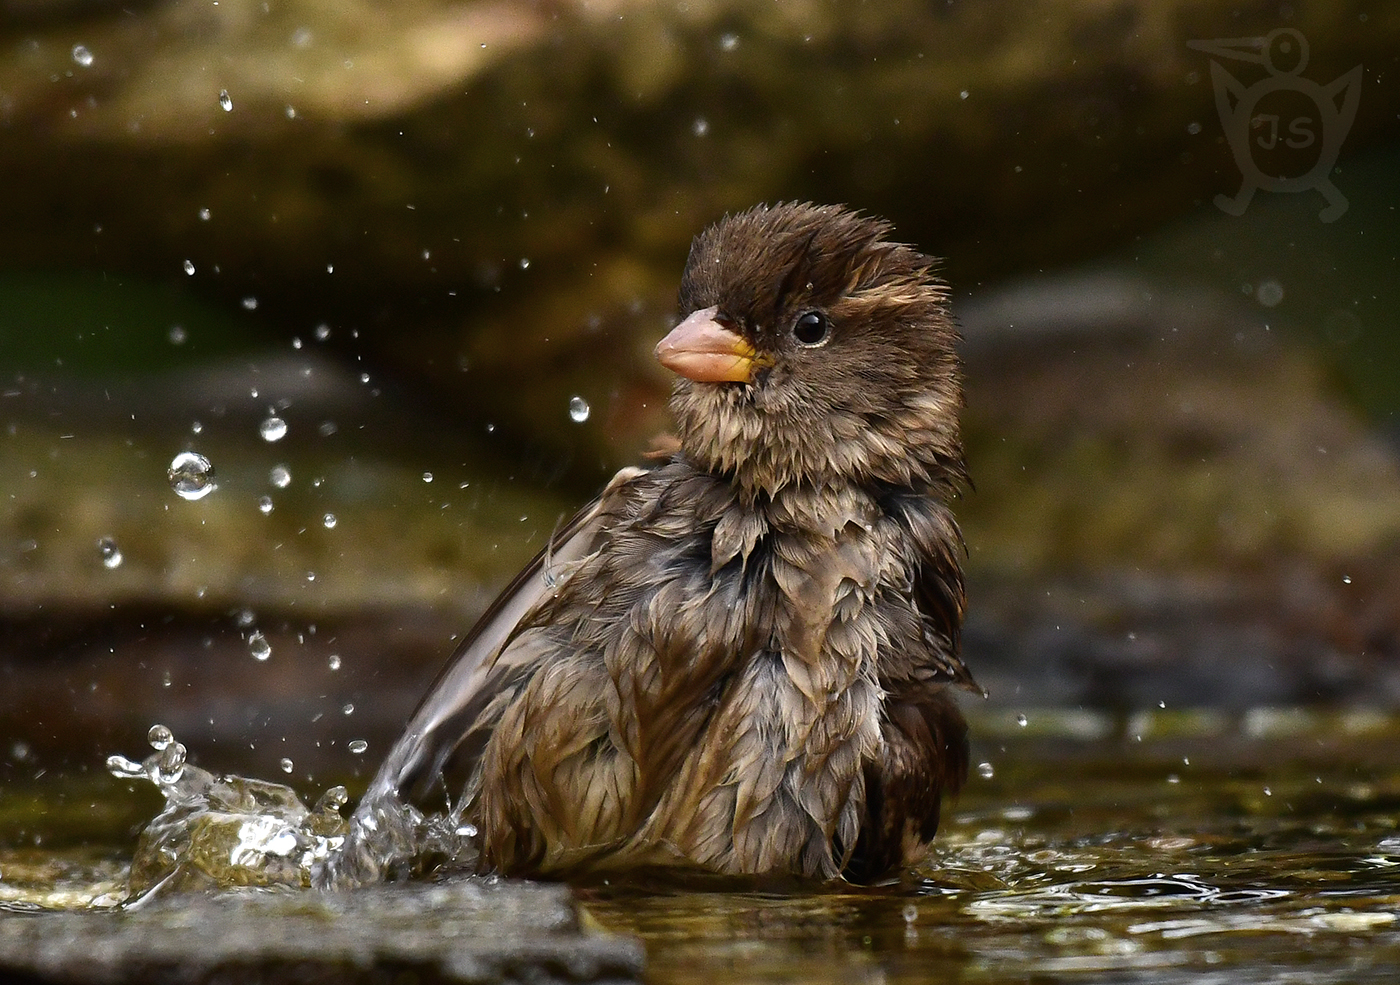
<point x="1203" y="858"/>
<point x="1158" y="847"/>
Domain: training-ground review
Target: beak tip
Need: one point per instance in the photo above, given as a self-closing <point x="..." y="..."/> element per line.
<point x="700" y="348"/>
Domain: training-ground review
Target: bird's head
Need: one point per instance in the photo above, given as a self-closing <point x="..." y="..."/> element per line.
<point x="812" y="351"/>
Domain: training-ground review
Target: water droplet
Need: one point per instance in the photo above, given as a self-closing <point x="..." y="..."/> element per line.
<point x="177" y="335"/>
<point x="357" y="746"/>
<point x="963" y="95"/>
<point x="524" y="263"/>
<point x="1268" y="792"/>
<point x="333" y="661"/>
<point x="258" y="645"/>
<point x="327" y="428"/>
<point x="225" y="101"/>
<point x="1021" y="720"/>
<point x="329" y="521"/>
<point x="287" y="765"/>
<point x="280" y="476"/>
<point x="264" y="505"/>
<point x="427" y="477"/>
<point x="204" y="214"/>
<point x="348" y="708"/>
<point x="579" y="410"/>
<point x="700" y="127"/>
<point x="1346" y="579"/>
<point x="110" y="552"/>
<point x="985" y="771"/>
<point x="323" y="332"/>
<point x="1193" y="128"/>
<point x="911" y="913"/>
<point x="1161" y="704"/>
<point x="728" y="42"/>
<point x="189" y="267"/>
<point x="250" y="303"/>
<point x="81" y="55"/>
<point x="191" y="475"/>
<point x="159" y="737"/>
<point x="1269" y="293"/>
<point x="245" y="618"/>
<point x="273" y="429"/>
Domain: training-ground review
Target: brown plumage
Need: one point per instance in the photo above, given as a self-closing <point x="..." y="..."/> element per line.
<point x="738" y="660"/>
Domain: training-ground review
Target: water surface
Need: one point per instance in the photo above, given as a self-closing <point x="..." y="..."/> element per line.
<point x="1162" y="846"/>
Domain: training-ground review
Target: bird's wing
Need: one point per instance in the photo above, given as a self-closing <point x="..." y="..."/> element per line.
<point x="938" y="583"/>
<point x="476" y="673"/>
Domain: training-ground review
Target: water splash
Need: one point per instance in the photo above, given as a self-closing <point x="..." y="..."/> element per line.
<point x="224" y="831"/>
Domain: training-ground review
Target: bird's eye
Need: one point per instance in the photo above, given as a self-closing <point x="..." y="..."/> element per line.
<point x="811" y="328"/>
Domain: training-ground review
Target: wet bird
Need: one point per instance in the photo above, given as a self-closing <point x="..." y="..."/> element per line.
<point x="740" y="660"/>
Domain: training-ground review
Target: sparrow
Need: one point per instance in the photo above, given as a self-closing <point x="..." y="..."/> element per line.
<point x="741" y="660"/>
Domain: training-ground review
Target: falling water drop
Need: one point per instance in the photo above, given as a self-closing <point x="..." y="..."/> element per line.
<point x="81" y="55"/>
<point x="333" y="661"/>
<point x="189" y="267"/>
<point x="258" y="645"/>
<point x="280" y="476"/>
<point x="579" y="409"/>
<point x="225" y="101"/>
<point x="985" y="771"/>
<point x="273" y="429"/>
<point x="329" y="521"/>
<point x="358" y="746"/>
<point x="191" y="475"/>
<point x="110" y="552"/>
<point x="159" y="737"/>
<point x="287" y="765"/>
<point x="1022" y="721"/>
<point x="265" y="505"/>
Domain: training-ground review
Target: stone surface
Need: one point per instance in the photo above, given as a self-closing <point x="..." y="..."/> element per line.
<point x="469" y="931"/>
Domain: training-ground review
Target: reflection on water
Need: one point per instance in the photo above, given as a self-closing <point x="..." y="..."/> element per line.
<point x="1259" y="848"/>
<point x="1198" y="859"/>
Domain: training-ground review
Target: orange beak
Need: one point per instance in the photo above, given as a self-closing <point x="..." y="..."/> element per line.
<point x="703" y="350"/>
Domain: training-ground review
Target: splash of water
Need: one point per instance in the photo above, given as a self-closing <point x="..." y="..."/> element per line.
<point x="224" y="831"/>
